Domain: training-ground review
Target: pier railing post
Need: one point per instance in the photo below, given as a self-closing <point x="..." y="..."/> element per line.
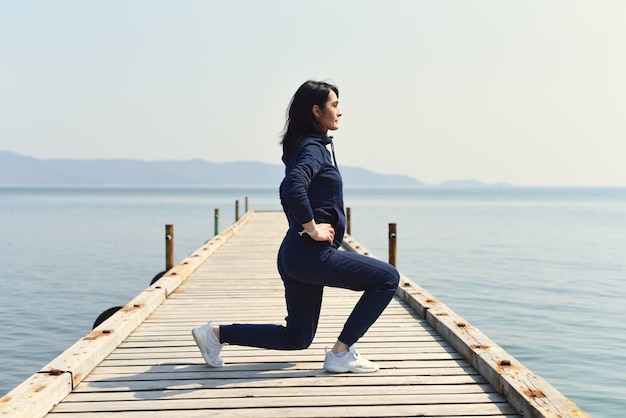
<point x="348" y="221"/>
<point x="236" y="210"/>
<point x="216" y="222"/>
<point x="169" y="247"/>
<point x="393" y="244"/>
<point x="246" y="205"/>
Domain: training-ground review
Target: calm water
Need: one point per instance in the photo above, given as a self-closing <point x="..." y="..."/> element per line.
<point x="541" y="271"/>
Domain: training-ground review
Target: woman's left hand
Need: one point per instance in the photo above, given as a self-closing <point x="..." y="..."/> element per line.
<point x="325" y="232"/>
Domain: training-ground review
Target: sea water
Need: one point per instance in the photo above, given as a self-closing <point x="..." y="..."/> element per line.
<point x="541" y="271"/>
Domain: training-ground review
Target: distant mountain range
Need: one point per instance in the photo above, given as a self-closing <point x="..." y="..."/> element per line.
<point x="19" y="170"/>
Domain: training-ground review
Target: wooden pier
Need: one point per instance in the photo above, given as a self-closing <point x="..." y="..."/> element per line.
<point x="142" y="362"/>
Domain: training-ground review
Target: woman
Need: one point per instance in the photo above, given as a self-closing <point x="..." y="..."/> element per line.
<point x="312" y="198"/>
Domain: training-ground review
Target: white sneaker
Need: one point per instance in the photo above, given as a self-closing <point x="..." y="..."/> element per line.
<point x="209" y="345"/>
<point x="349" y="362"/>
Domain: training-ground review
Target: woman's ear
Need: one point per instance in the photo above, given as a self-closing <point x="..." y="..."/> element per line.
<point x="317" y="112"/>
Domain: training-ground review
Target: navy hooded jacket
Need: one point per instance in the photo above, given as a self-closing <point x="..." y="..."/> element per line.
<point x="312" y="187"/>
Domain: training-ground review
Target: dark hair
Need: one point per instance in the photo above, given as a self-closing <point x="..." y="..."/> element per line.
<point x="300" y="118"/>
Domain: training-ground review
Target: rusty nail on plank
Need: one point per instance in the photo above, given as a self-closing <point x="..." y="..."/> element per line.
<point x="479" y="346"/>
<point x="534" y="393"/>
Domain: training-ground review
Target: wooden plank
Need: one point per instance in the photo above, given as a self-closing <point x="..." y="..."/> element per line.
<point x="234" y="372"/>
<point x="121" y="383"/>
<point x="473" y="404"/>
<point x="134" y="366"/>
<point x="37" y="395"/>
<point x="293" y="391"/>
<point x="451" y="411"/>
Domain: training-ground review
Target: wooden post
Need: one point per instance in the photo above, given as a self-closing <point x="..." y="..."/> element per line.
<point x="393" y="250"/>
<point x="348" y="221"/>
<point x="216" y="223"/>
<point x="169" y="247"/>
<point x="236" y="210"/>
<point x="246" y="204"/>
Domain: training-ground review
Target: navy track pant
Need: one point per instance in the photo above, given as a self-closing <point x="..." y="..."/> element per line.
<point x="306" y="266"/>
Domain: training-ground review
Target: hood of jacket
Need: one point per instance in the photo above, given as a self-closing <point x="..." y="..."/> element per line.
<point x="307" y="139"/>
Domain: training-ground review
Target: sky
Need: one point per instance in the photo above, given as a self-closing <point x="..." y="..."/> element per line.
<point x="531" y="93"/>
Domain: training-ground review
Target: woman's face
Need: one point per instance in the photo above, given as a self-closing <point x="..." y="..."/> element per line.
<point x="328" y="117"/>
